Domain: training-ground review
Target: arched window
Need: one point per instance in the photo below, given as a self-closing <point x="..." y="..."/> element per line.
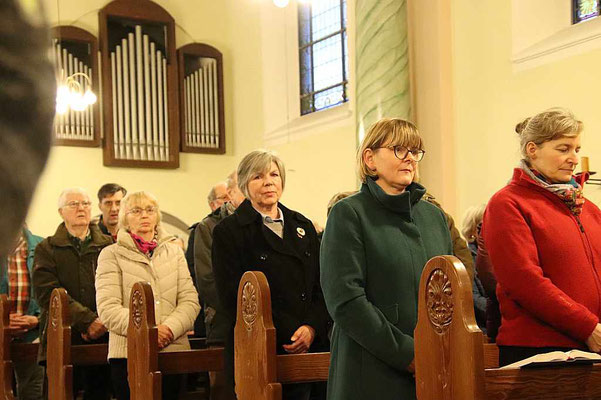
<point x="323" y="54"/>
<point x="585" y="9"/>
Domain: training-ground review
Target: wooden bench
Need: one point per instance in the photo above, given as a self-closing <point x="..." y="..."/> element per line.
<point x="452" y="362"/>
<point x="10" y="351"/>
<point x="145" y="364"/>
<point x="61" y="356"/>
<point x="259" y="371"/>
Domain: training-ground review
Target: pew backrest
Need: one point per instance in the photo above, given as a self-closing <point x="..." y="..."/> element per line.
<point x="58" y="349"/>
<point x="61" y="356"/>
<point x="259" y="371"/>
<point x="145" y="363"/>
<point x="255" y="371"/>
<point x="453" y="362"/>
<point x="142" y="356"/>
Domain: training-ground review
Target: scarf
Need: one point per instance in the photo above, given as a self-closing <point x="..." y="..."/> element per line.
<point x="570" y="193"/>
<point x="142" y="245"/>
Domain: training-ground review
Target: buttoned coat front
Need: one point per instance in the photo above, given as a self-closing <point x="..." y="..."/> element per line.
<point x="373" y="252"/>
<point x="176" y="300"/>
<point x="242" y="242"/>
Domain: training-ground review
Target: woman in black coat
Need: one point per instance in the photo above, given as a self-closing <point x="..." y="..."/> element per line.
<point x="264" y="235"/>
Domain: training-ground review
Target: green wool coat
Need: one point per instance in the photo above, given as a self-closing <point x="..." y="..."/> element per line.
<point x="373" y="252"/>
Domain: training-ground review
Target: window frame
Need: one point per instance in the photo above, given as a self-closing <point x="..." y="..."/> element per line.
<point x="575" y="7"/>
<point x="343" y="33"/>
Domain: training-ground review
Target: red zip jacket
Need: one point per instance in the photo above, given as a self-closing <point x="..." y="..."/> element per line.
<point x="547" y="263"/>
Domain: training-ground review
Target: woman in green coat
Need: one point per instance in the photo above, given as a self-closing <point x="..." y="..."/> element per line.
<point x="375" y="246"/>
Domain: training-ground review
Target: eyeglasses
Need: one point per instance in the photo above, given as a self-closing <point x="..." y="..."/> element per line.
<point x="401" y="152"/>
<point x="75" y="204"/>
<point x="138" y="211"/>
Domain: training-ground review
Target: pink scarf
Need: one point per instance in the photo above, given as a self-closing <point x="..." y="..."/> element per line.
<point x="142" y="245"/>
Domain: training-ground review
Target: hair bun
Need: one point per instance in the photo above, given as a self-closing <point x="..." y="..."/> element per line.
<point x="519" y="128"/>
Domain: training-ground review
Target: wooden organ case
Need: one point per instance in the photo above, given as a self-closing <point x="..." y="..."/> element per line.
<point x="74" y="53"/>
<point x="140" y="88"/>
<point x="201" y="97"/>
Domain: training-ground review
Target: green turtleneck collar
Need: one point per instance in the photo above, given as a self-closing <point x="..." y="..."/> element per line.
<point x="400" y="203"/>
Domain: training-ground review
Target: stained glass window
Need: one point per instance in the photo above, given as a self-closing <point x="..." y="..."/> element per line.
<point x="323" y="54"/>
<point x="585" y="9"/>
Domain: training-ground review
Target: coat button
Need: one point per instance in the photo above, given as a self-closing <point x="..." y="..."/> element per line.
<point x="308" y="253"/>
<point x="303" y="296"/>
<point x="263" y="257"/>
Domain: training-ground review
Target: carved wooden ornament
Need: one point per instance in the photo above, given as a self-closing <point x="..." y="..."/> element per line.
<point x="439" y="300"/>
<point x="54" y="312"/>
<point x="138" y="310"/>
<point x="249" y="304"/>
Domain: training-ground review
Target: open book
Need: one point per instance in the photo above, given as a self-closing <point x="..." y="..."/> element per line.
<point x="556" y="358"/>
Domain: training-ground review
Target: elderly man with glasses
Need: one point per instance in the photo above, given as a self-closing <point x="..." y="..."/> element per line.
<point x="68" y="259"/>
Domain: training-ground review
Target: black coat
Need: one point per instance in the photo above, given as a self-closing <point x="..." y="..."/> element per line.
<point x="241" y="242"/>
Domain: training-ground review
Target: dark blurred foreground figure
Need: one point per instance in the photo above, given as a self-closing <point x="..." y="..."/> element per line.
<point x="27" y="90"/>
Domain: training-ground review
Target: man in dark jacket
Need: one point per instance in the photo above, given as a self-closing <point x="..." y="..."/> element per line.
<point x="216" y="324"/>
<point x="68" y="260"/>
<point x="109" y="202"/>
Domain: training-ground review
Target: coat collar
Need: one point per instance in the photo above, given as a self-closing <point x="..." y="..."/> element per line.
<point x="125" y="242"/>
<point x="247" y="214"/>
<point x="400" y="203"/>
<point x="61" y="237"/>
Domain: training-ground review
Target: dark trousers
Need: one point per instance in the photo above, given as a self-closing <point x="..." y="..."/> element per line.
<point x="170" y="383"/>
<point x="94" y="380"/>
<point x="510" y="354"/>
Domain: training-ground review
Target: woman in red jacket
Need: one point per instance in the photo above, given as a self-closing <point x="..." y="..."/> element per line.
<point x="544" y="242"/>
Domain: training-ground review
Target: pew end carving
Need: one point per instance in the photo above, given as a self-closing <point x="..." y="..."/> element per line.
<point x="259" y="371"/>
<point x="58" y="353"/>
<point x="142" y="353"/>
<point x="255" y="341"/>
<point x="453" y="362"/>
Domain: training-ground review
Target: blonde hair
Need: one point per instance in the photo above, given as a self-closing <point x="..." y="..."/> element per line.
<point x="136" y="199"/>
<point x="551" y="124"/>
<point x="472" y="217"/>
<point x="336" y="198"/>
<point x="256" y="162"/>
<point x="387" y="132"/>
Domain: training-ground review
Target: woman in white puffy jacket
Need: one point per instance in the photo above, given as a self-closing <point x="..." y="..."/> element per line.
<point x="144" y="252"/>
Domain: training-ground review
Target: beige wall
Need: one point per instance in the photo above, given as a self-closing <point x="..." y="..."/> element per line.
<point x="469" y="94"/>
<point x="230" y="25"/>
<point x="490" y="98"/>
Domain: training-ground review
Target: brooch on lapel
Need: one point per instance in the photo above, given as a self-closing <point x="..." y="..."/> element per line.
<point x="300" y="232"/>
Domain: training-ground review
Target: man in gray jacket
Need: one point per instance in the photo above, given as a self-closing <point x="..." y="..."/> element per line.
<point x="205" y="281"/>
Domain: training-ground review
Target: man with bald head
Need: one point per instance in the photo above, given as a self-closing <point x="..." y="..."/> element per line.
<point x="218" y="196"/>
<point x="68" y="260"/>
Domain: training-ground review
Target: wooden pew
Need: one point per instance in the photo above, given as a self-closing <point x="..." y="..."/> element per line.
<point x="452" y="362"/>
<point x="10" y="351"/>
<point x="259" y="371"/>
<point x="61" y="357"/>
<point x="145" y="364"/>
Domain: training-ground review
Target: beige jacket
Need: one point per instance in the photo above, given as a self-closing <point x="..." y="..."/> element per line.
<point x="120" y="265"/>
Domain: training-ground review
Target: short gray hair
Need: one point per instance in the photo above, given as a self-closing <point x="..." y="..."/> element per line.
<point x="232" y="180"/>
<point x="256" y="162"/>
<point x="212" y="195"/>
<point x="62" y="199"/>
